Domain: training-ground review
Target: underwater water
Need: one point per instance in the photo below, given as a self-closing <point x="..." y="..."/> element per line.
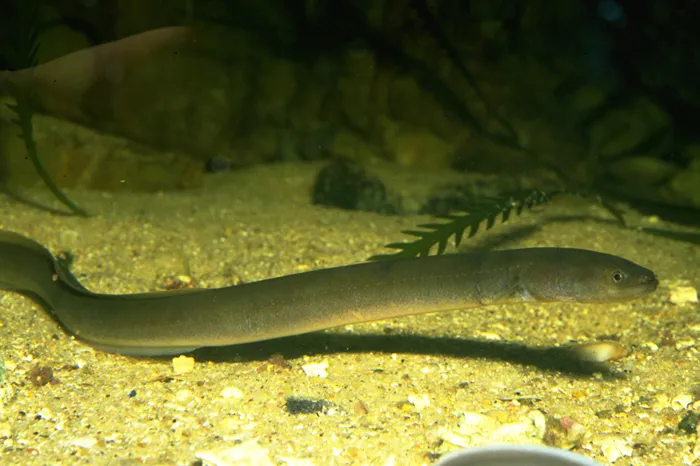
<point x="209" y="144"/>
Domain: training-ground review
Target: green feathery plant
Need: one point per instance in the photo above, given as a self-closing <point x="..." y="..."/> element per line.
<point x="487" y="210"/>
<point x="26" y="46"/>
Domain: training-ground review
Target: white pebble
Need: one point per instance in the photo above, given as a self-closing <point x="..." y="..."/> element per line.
<point x="653" y="347"/>
<point x="316" y="369"/>
<point x="601" y="351"/>
<point x="183" y="364"/>
<point x="685" y="344"/>
<point x="246" y="454"/>
<point x="419" y="401"/>
<point x="231" y="392"/>
<point x="682" y="401"/>
<point x="44" y="413"/>
<point x="661" y="402"/>
<point x="183" y="395"/>
<point x="490" y="336"/>
<point x="5" y="430"/>
<point x="683" y="295"/>
<point x="615" y="448"/>
<point x="84" y="442"/>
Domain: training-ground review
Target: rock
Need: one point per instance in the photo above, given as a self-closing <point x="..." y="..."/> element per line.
<point x="275" y="85"/>
<point x="261" y="144"/>
<point x="684" y="189"/>
<point x="58" y="41"/>
<point x="238" y="85"/>
<point x="420" y="148"/>
<point x="644" y="170"/>
<point x="183" y="364"/>
<point x="355" y="86"/>
<point x="405" y="99"/>
<point x="305" y="405"/>
<point x="346" y="185"/>
<point x="692" y="154"/>
<point x="175" y="101"/>
<point x="314" y="86"/>
<point x="78" y="157"/>
<point x="640" y="126"/>
<point x="587" y="98"/>
<point x="346" y="144"/>
<point x="409" y="103"/>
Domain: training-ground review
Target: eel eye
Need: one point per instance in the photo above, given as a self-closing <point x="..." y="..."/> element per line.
<point x="617" y="276"/>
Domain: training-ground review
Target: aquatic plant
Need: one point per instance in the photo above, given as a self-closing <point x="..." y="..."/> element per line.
<point x="484" y="211"/>
<point x="25" y="48"/>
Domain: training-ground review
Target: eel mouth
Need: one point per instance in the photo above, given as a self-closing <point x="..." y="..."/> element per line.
<point x="649" y="281"/>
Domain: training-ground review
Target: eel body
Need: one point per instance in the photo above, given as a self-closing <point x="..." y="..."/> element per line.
<point x="162" y="323"/>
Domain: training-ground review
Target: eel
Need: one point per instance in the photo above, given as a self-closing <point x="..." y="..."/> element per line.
<point x="72" y="86"/>
<point x="175" y="322"/>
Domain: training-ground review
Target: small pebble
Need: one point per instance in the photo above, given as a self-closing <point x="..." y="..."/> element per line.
<point x="419" y="401"/>
<point x="615" y="448"/>
<point x="5" y="430"/>
<point x="227" y="426"/>
<point x="490" y="336"/>
<point x="685" y="344"/>
<point x="231" y="392"/>
<point x="564" y="432"/>
<point x="84" y="442"/>
<point x="479" y="429"/>
<point x="653" y="347"/>
<point x="682" y="401"/>
<point x="316" y="369"/>
<point x="246" y="454"/>
<point x="183" y="395"/>
<point x="682" y="295"/>
<point x="662" y="402"/>
<point x="41" y="375"/>
<point x="299" y="405"/>
<point x="44" y="413"/>
<point x="183" y="364"/>
<point x="360" y="408"/>
<point x="601" y="351"/>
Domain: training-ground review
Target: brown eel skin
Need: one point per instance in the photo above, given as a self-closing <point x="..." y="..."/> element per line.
<point x="173" y="322"/>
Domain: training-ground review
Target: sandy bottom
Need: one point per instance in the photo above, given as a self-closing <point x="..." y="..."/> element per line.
<point x="396" y="392"/>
